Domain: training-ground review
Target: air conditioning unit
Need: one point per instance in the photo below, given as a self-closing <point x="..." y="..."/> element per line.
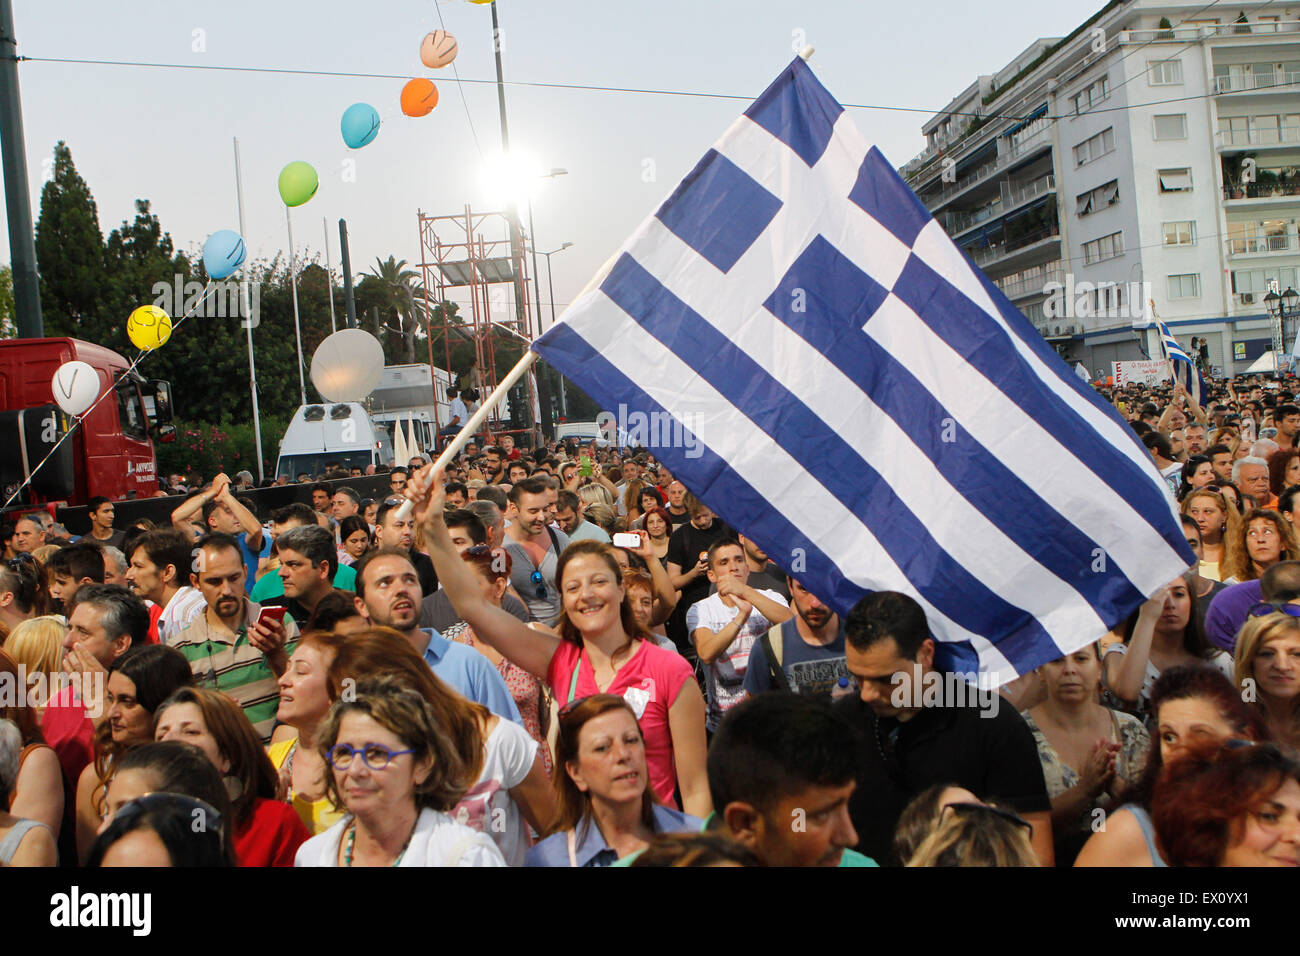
<point x="1247" y="298"/>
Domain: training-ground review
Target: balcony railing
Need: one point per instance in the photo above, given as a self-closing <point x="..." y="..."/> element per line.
<point x="1032" y="285"/>
<point x="1265" y="136"/>
<point x="1262" y="245"/>
<point x="957" y="223"/>
<point x="991" y="253"/>
<point x="1261" y="190"/>
<point x="1205" y="31"/>
<point x="1255" y="81"/>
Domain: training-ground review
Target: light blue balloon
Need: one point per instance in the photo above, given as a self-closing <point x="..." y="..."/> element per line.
<point x="223" y="253"/>
<point x="360" y="125"/>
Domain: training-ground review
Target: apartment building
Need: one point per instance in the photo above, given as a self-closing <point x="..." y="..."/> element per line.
<point x="1153" y="155"/>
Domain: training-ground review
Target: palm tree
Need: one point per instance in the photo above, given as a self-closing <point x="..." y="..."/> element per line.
<point x="401" y="288"/>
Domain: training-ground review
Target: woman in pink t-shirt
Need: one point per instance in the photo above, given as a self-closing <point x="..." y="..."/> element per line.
<point x="599" y="649"/>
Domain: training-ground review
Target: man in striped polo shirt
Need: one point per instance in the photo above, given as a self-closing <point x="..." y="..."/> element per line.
<point x="226" y="650"/>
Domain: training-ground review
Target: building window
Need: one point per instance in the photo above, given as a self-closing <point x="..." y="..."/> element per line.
<point x="1099" y="198"/>
<point x="1171" y="126"/>
<point x="1095" y="147"/>
<point x="1185" y="286"/>
<point x="1089" y="97"/>
<point x="1165" y="72"/>
<point x="1181" y="233"/>
<point x="1107" y="247"/>
<point x="1175" y="180"/>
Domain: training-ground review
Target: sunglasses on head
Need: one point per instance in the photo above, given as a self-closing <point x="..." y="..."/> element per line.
<point x="983" y="809"/>
<point x="1265" y="608"/>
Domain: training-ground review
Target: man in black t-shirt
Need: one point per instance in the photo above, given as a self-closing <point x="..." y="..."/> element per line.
<point x="688" y="567"/>
<point x="984" y="746"/>
<point x="677" y="509"/>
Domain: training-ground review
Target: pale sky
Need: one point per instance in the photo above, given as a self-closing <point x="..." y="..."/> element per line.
<point x="165" y="134"/>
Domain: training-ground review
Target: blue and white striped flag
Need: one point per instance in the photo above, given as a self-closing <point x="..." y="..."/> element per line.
<point x="1183" y="366"/>
<point x="862" y="402"/>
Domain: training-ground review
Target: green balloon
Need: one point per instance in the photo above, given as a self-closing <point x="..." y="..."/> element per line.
<point x="298" y="183"/>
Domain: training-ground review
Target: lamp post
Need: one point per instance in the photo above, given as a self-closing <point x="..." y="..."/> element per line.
<point x="550" y="288"/>
<point x="537" y="288"/>
<point x="1283" y="310"/>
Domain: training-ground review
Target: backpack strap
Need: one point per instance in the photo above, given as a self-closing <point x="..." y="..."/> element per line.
<point x="555" y="542"/>
<point x="774" y="652"/>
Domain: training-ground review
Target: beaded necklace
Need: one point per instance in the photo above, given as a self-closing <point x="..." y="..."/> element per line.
<point x="352" y="839"/>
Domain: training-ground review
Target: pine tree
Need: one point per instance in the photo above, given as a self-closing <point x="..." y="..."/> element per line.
<point x="70" y="253"/>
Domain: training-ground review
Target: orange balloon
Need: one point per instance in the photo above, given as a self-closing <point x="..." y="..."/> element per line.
<point x="419" y="97"/>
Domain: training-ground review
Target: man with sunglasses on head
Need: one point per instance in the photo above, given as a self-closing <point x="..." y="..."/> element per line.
<point x="467" y="534"/>
<point x="1278" y="589"/>
<point x="919" y="733"/>
<point x="535" y="548"/>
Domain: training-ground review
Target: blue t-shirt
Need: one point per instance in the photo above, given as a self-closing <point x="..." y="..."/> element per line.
<point x="470" y="674"/>
<point x="251" y="560"/>
<point x="808" y="669"/>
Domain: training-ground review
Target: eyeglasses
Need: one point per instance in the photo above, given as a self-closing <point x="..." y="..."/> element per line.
<point x="374" y="756"/>
<point x="536" y="579"/>
<point x="976" y="809"/>
<point x="1265" y="608"/>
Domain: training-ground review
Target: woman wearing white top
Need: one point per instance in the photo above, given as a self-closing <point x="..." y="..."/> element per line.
<point x="396" y="774"/>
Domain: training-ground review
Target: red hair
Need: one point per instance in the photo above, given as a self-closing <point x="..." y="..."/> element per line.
<point x="1203" y="798"/>
<point x="663" y="513"/>
<point x="1277" y="466"/>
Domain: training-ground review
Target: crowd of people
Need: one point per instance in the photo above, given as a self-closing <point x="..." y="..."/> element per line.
<point x="563" y="657"/>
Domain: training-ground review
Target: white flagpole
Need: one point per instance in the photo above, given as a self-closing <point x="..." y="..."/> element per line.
<point x="297" y="327"/>
<point x="471" y="427"/>
<point x="248" y="318"/>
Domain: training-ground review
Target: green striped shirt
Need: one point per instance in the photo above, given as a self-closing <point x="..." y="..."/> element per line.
<point x="237" y="669"/>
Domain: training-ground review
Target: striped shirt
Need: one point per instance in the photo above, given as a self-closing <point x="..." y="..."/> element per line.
<point x="185" y="605"/>
<point x="235" y="667"/>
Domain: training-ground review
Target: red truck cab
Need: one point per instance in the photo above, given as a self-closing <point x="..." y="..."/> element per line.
<point x="110" y="453"/>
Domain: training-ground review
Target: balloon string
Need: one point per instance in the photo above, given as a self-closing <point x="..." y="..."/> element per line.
<point x="77" y="419"/>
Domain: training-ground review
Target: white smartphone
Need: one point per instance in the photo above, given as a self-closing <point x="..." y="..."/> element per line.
<point x="627" y="540"/>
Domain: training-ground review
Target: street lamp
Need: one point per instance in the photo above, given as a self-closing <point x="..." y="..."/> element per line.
<point x="537" y="286"/>
<point x="550" y="287"/>
<point x="1283" y="309"/>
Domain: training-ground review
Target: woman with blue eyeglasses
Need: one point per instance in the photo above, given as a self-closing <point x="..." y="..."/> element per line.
<point x="395" y="773"/>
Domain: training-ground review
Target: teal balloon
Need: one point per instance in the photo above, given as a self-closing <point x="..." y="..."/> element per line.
<point x="298" y="183"/>
<point x="360" y="125"/>
<point x="223" y="253"/>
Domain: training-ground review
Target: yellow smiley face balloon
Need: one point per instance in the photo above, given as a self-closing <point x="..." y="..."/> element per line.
<point x="149" y="327"/>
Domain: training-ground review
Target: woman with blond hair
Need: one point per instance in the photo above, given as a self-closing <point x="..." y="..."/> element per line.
<point x="977" y="834"/>
<point x="37" y="646"/>
<point x="1266" y="666"/>
<point x="1218" y="522"/>
<point x="1261" y="540"/>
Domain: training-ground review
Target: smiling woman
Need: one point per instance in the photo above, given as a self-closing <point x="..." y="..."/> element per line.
<point x="1236" y="804"/>
<point x="1267" y="662"/>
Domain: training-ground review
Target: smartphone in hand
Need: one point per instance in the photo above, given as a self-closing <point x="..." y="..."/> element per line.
<point x="271" y="614"/>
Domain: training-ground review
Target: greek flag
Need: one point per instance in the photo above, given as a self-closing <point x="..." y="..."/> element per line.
<point x="1183" y="366"/>
<point x="840" y="384"/>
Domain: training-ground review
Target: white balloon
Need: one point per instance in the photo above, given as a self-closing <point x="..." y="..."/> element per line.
<point x="76" y="386"/>
<point x="347" y="366"/>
